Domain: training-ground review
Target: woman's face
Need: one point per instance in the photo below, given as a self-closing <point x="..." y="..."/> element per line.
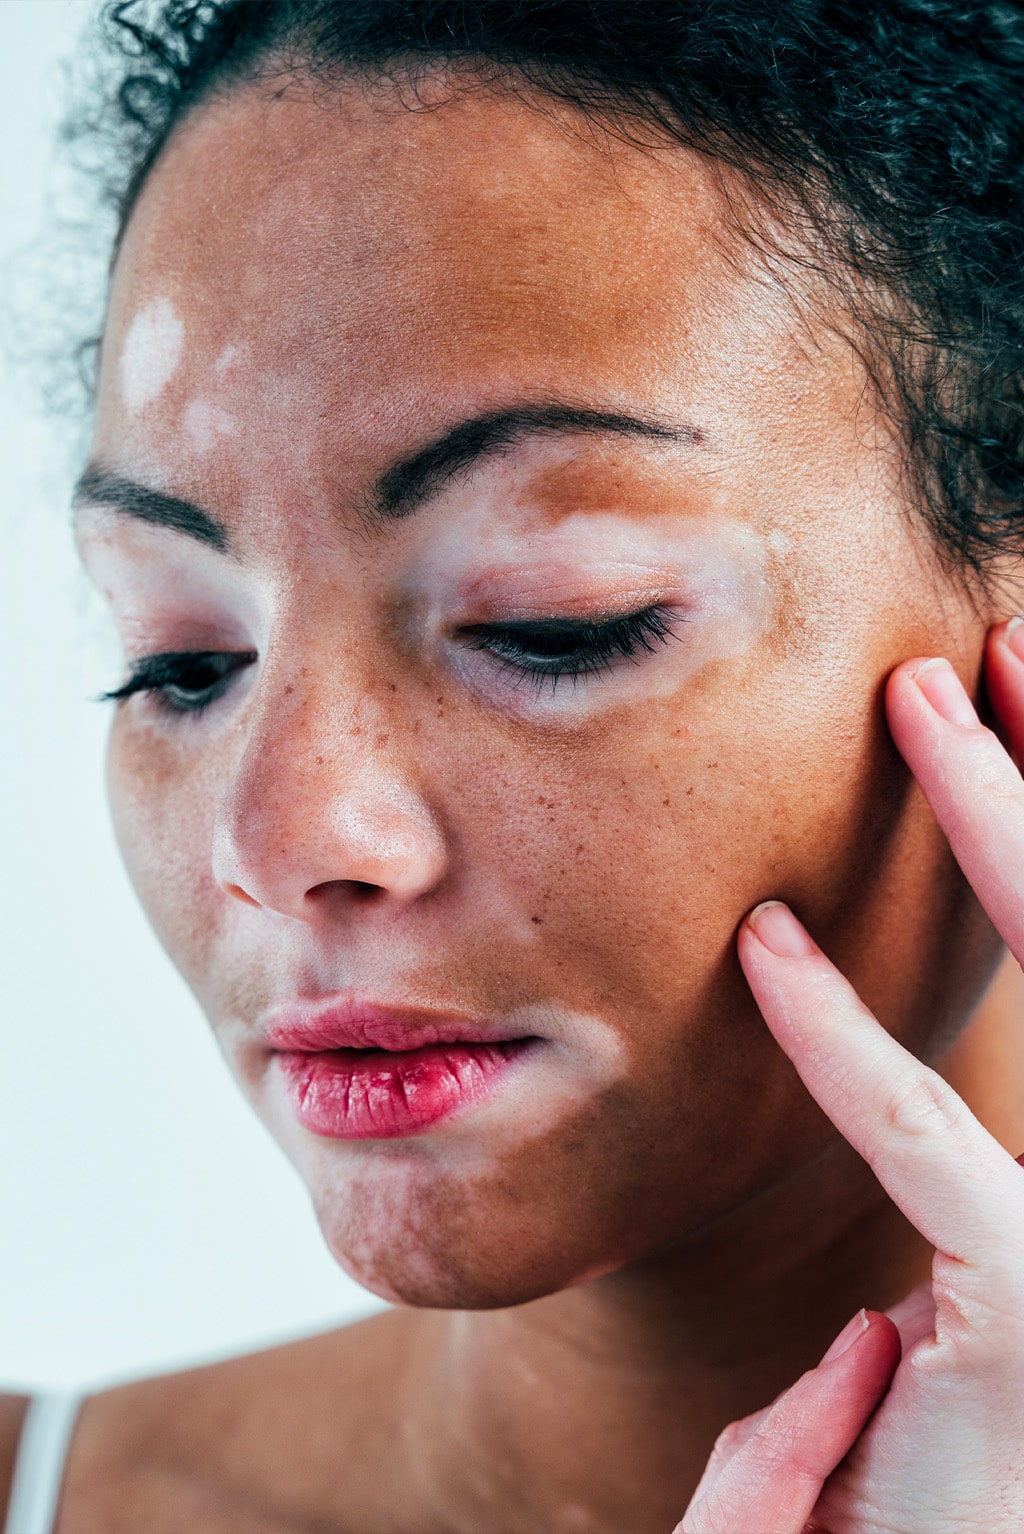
<point x="558" y="562"/>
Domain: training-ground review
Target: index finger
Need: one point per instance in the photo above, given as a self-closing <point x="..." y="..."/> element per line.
<point x="951" y="1179"/>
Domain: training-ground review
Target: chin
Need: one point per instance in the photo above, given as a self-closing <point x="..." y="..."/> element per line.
<point x="453" y="1248"/>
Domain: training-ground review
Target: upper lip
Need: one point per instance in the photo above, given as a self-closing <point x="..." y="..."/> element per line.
<point x="340" y="1022"/>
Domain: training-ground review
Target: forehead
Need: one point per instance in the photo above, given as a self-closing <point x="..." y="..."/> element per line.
<point x="344" y="194"/>
<point x="478" y="243"/>
<point x="316" y="283"/>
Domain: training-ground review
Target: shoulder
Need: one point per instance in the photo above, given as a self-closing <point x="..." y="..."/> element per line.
<point x="12" y="1415"/>
<point x="270" y="1443"/>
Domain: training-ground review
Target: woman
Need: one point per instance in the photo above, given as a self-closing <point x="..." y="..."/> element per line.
<point x="557" y="479"/>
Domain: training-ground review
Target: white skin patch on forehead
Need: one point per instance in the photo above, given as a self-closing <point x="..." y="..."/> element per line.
<point x="205" y="423"/>
<point x="227" y="357"/>
<point x="150" y="354"/>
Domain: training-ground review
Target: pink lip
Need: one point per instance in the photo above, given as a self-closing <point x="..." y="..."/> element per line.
<point x="357" y="1071"/>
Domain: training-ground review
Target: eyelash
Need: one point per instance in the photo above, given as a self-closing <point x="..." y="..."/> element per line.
<point x="551" y="649"/>
<point x="168" y="677"/>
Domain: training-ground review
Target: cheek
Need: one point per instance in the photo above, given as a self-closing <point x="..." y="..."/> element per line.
<point x="625" y="852"/>
<point x="162" y="805"/>
<point x="623" y="857"/>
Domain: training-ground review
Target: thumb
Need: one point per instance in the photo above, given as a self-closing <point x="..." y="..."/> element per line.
<point x="766" y="1473"/>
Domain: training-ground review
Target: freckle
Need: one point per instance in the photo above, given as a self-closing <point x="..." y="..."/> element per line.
<point x="689" y="791"/>
<point x="319" y="761"/>
<point x="666" y="801"/>
<point x="289" y="689"/>
<point x="537" y="921"/>
<point x="580" y="848"/>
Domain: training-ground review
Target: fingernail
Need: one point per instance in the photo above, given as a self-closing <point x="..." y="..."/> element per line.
<point x="1014" y="637"/>
<point x="774" y="925"/>
<point x="851" y="1333"/>
<point x="945" y="692"/>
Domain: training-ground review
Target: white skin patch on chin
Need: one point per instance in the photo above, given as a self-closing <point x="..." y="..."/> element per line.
<point x="150" y="354"/>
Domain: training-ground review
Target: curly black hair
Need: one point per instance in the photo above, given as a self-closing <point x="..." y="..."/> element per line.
<point x="891" y="130"/>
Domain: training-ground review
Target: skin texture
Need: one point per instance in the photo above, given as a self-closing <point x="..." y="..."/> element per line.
<point x="942" y="1449"/>
<point x="376" y="807"/>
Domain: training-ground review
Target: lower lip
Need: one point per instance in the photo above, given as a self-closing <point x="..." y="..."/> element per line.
<point x="357" y="1094"/>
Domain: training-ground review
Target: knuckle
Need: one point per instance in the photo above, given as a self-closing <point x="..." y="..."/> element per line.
<point x="919" y="1102"/>
<point x="990" y="775"/>
<point x="979" y="1322"/>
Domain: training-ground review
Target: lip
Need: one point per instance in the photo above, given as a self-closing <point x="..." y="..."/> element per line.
<point x="357" y="1070"/>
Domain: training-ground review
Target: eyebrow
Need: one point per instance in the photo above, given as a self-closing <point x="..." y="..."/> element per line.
<point x="407" y="484"/>
<point x="410" y="481"/>
<point x="100" y="488"/>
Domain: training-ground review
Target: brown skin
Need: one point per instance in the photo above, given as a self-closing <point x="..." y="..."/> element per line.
<point x="390" y="825"/>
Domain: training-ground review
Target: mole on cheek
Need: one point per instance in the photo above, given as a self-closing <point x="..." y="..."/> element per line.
<point x="150" y="354"/>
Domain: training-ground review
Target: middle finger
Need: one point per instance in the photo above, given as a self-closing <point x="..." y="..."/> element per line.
<point x="975" y="791"/>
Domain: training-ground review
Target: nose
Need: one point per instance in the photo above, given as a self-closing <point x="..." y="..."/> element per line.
<point x="311" y="813"/>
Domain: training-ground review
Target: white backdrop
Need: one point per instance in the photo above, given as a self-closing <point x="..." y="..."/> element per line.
<point x="140" y="1230"/>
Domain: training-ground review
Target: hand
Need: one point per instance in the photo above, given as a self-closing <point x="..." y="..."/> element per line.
<point x="945" y="1449"/>
<point x="766" y="1472"/>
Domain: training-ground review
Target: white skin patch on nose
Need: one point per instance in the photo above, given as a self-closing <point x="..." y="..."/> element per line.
<point x="150" y="354"/>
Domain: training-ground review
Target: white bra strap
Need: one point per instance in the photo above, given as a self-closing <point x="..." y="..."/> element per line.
<point x="39" y="1468"/>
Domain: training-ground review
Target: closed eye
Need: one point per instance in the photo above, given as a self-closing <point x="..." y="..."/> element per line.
<point x="557" y="648"/>
<point x="183" y="681"/>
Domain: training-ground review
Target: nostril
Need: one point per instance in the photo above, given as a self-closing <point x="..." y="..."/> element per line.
<point x="361" y="890"/>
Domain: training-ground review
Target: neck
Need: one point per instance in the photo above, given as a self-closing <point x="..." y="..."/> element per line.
<point x="596" y="1409"/>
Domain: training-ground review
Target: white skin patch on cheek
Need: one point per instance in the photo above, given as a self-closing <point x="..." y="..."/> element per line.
<point x="151" y="352"/>
<point x="580" y="1055"/>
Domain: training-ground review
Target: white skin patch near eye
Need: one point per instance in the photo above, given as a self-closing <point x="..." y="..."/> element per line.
<point x="713" y="575"/>
<point x="150" y="354"/>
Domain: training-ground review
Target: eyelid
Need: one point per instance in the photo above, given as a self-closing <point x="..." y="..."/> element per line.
<point x="498" y="605"/>
<point x="159" y="672"/>
<point x="603" y="647"/>
<point x="566" y="622"/>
